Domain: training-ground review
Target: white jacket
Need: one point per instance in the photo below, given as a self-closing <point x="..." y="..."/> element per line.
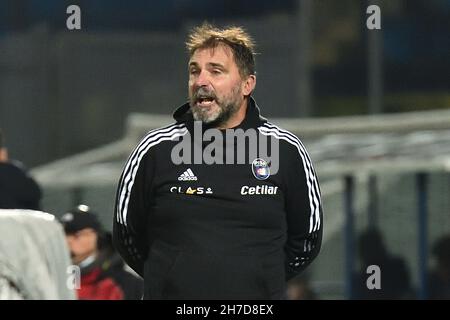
<point x="34" y="257"/>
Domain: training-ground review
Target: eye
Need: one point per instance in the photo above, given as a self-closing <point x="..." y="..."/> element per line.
<point x="216" y="71"/>
<point x="193" y="71"/>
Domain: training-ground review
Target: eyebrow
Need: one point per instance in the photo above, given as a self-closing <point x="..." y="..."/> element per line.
<point x="211" y="64"/>
<point x="216" y="65"/>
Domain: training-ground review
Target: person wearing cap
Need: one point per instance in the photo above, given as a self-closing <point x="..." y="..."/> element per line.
<point x="82" y="230"/>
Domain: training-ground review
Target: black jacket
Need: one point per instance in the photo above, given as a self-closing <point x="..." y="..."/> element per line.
<point x="131" y="285"/>
<point x="17" y="189"/>
<point x="198" y="231"/>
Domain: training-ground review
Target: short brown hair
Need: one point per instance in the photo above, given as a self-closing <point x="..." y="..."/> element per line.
<point x="236" y="38"/>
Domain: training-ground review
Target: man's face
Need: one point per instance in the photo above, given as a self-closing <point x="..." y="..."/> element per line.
<point x="82" y="244"/>
<point x="215" y="85"/>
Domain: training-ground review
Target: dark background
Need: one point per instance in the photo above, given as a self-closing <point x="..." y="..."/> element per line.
<point x="62" y="92"/>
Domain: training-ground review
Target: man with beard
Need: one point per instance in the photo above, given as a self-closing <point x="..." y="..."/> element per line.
<point x="201" y="231"/>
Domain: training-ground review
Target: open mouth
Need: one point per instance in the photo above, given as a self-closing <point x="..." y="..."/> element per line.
<point x="205" y="101"/>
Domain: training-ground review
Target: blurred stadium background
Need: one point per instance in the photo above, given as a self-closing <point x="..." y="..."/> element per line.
<point x="371" y="106"/>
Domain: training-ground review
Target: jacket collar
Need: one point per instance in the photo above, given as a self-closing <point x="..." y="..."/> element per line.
<point x="253" y="118"/>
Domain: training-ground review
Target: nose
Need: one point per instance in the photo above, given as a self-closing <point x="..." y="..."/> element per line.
<point x="202" y="80"/>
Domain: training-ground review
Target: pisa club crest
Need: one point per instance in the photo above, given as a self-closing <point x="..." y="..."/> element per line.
<point x="260" y="169"/>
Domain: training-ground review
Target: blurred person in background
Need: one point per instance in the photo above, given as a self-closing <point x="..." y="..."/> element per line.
<point x="33" y="253"/>
<point x="83" y="229"/>
<point x="395" y="277"/>
<point x="113" y="266"/>
<point x="439" y="276"/>
<point x="17" y="189"/>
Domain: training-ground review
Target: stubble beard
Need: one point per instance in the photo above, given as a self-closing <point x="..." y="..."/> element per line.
<point x="226" y="108"/>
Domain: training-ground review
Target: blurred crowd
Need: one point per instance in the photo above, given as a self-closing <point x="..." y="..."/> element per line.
<point x="33" y="242"/>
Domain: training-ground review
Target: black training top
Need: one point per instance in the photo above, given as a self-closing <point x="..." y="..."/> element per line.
<point x="217" y="231"/>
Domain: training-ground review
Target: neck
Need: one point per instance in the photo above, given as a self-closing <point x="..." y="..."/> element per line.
<point x="237" y="118"/>
<point x="84" y="260"/>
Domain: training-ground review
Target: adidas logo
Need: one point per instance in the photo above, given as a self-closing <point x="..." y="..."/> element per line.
<point x="188" y="175"/>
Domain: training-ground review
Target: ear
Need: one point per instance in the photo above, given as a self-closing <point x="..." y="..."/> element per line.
<point x="249" y="85"/>
<point x="3" y="155"/>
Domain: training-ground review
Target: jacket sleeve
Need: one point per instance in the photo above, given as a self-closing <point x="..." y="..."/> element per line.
<point x="304" y="212"/>
<point x="132" y="209"/>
